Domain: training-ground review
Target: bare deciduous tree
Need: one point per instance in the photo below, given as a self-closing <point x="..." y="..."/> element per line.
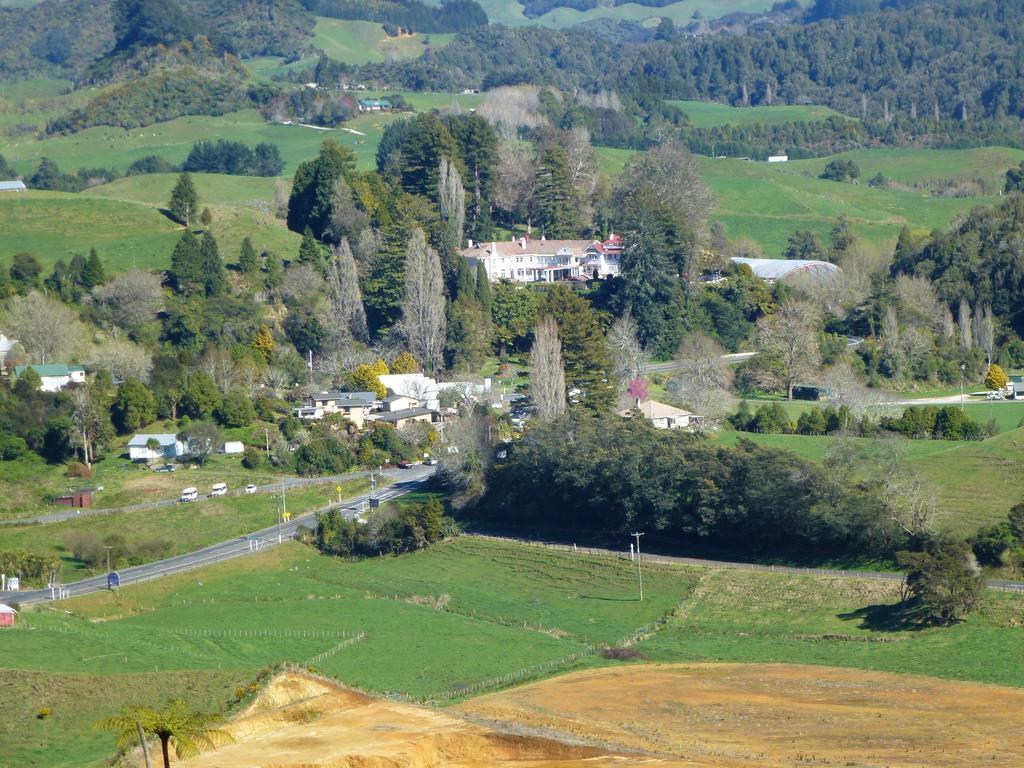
<point x="948" y="323"/>
<point x="985" y="331"/>
<point x="451" y="199"/>
<point x="46" y="328"/>
<point x="218" y="364"/>
<point x="702" y="378"/>
<point x="132" y="297"/>
<point x="365" y="248"/>
<point x="919" y="304"/>
<point x="584" y="172"/>
<point x="547" y="372"/>
<point x="510" y="107"/>
<point x="423" y="310"/>
<point x="281" y="193"/>
<point x="300" y="282"/>
<point x="343" y="293"/>
<point x="789" y="339"/>
<point x="964" y="323"/>
<point x="517" y="173"/>
<point x="123" y="359"/>
<point x="88" y="417"/>
<point x="627" y="352"/>
<point x="669" y="176"/>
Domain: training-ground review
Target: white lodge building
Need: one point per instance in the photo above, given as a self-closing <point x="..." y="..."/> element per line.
<point x="527" y="260"/>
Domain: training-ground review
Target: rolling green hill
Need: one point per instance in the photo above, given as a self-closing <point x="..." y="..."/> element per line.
<point x="705" y="114"/>
<point x="510" y="13"/>
<point x="55" y="225"/>
<point x="361" y="42"/>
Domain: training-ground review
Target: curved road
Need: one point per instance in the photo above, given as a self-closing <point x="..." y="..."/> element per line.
<point x="412" y="479"/>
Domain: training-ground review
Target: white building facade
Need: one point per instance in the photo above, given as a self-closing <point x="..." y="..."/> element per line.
<point x="526" y="260"/>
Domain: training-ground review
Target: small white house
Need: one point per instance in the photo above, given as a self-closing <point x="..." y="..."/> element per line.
<point x="54" y="377"/>
<point x="167" y="446"/>
<point x="234" y="447"/>
<point x="778" y="159"/>
<point x="665" y="416"/>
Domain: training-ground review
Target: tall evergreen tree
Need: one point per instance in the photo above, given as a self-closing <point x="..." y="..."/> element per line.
<point x="310" y="251"/>
<point x="310" y="203"/>
<point x="93" y="274"/>
<point x="652" y="293"/>
<point x="211" y="265"/>
<point x="478" y="150"/>
<point x="553" y="207"/>
<point x="186" y="271"/>
<point x="428" y="141"/>
<point x="247" y="259"/>
<point x="483" y="290"/>
<point x="184" y="204"/>
<point x="588" y="364"/>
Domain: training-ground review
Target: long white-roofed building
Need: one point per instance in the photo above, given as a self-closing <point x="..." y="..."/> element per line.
<point x="774" y="270"/>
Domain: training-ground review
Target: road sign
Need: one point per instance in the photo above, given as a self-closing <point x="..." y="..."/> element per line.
<point x="113" y="580"/>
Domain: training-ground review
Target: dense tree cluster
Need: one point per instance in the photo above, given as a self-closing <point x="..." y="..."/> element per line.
<point x="391" y="530"/>
<point x="625" y="475"/>
<point x="408" y="15"/>
<point x="939" y="61"/>
<point x="235" y="158"/>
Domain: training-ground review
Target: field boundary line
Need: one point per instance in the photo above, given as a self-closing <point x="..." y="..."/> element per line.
<point x="314" y="660"/>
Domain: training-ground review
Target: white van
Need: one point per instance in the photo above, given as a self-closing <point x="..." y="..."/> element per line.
<point x="189" y="494"/>
<point x="219" y="489"/>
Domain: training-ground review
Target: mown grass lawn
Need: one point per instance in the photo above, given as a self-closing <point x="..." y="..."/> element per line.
<point x="709" y="114"/>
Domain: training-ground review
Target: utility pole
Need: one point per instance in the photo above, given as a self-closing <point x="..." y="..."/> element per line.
<point x="108" y="558"/>
<point x="639" y="572"/>
<point x="962" y="368"/>
<point x="266" y="432"/>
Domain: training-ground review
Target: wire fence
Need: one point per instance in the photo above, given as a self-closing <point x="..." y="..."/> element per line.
<point x="313" y="661"/>
<point x="310" y="634"/>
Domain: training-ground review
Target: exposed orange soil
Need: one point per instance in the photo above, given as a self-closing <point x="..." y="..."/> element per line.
<point x="740" y="715"/>
<point x="305" y="722"/>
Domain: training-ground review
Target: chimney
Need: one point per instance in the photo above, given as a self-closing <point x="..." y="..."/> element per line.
<point x="470" y="241"/>
<point x="522" y="243"/>
<point x="494" y="248"/>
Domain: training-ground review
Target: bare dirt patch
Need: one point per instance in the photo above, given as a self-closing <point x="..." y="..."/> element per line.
<point x="740" y="715"/>
<point x="350" y="730"/>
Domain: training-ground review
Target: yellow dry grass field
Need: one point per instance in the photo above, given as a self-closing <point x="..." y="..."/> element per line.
<point x="300" y="721"/>
<point x="775" y="715"/>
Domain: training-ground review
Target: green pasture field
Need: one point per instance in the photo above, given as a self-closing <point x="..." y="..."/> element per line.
<point x="769" y="617"/>
<point x="186" y="527"/>
<point x="364" y="42"/>
<point x="117" y="148"/>
<point x="510" y="13"/>
<point x="975" y="483"/>
<point x="502" y="608"/>
<point x="441" y="619"/>
<point x="987" y="165"/>
<point x="708" y="114"/>
<point x="242" y="206"/>
<point x="768" y="203"/>
<point x="55" y="225"/>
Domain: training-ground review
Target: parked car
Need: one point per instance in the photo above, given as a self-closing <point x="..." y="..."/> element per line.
<point x="250" y="488"/>
<point x="430" y="461"/>
<point x="165" y="468"/>
<point x="219" y="489"/>
<point x="404" y="464"/>
<point x="189" y="494"/>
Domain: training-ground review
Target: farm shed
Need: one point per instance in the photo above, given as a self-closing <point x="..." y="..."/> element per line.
<point x="7" y="615"/>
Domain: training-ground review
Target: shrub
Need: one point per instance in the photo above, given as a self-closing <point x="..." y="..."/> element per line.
<point x="251" y="457"/>
<point x="43" y="713"/>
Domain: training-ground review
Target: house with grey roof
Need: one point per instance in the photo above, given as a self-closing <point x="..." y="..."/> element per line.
<point x="155" y="446"/>
<point x="354" y="405"/>
<point x="12" y="186"/>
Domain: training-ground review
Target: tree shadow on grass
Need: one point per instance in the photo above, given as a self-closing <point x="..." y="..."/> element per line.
<point x="886" y="618"/>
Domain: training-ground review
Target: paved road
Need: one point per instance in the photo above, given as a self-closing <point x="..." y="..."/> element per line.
<point x="287" y="483"/>
<point x="411" y="480"/>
